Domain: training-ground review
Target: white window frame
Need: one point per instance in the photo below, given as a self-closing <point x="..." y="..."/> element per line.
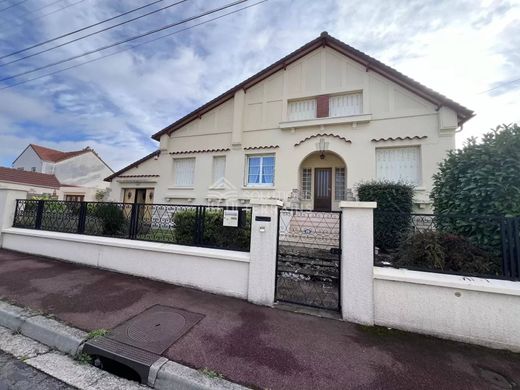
<point x="261" y="156"/>
<point x="306" y="195"/>
<point x="295" y="112"/>
<point x="175" y="173"/>
<point x="217" y="180"/>
<point x="344" y="187"/>
<point x="418" y="180"/>
<point x="338" y="108"/>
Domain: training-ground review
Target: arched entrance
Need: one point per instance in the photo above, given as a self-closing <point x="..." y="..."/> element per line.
<point x="323" y="181"/>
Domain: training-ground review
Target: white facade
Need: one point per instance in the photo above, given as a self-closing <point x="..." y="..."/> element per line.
<point x="279" y="117"/>
<point x="81" y="175"/>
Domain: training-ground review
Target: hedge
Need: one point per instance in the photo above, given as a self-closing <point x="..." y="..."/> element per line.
<point x="391" y="197"/>
<point x="214" y="233"/>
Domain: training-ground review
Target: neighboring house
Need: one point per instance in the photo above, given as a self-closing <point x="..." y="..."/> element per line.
<point x="35" y="183"/>
<point x="305" y="130"/>
<point x="79" y="172"/>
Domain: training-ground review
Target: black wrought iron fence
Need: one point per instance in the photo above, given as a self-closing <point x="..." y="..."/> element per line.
<point x="176" y="224"/>
<point x="473" y="245"/>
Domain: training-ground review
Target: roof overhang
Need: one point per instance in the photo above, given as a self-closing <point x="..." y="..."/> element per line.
<point x="325" y="40"/>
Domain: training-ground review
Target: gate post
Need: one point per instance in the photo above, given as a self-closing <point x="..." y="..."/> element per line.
<point x="264" y="235"/>
<point x="357" y="262"/>
<point x="8" y="207"/>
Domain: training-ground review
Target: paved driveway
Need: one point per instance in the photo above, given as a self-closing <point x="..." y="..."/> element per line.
<point x="253" y="345"/>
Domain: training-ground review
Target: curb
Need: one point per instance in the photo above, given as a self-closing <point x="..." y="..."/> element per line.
<point x="164" y="375"/>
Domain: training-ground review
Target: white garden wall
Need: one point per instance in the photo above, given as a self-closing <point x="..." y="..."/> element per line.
<point x="474" y="310"/>
<point x="214" y="270"/>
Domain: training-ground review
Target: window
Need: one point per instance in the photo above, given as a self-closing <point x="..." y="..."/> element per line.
<point x="339" y="184"/>
<point x="219" y="169"/>
<point x="306" y="183"/>
<point x="260" y="170"/>
<point x="74" y="198"/>
<point x="399" y="164"/>
<point x="184" y="170"/>
<point x="301" y="110"/>
<point x="346" y="105"/>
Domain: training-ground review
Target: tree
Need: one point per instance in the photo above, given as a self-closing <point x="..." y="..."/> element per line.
<point x="481" y="178"/>
<point x="477" y="185"/>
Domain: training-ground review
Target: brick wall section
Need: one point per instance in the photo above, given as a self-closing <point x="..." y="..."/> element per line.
<point x="322" y="103"/>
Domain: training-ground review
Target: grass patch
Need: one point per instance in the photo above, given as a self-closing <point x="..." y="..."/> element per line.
<point x="96" y="333"/>
<point x="211" y="374"/>
<point x="83" y="358"/>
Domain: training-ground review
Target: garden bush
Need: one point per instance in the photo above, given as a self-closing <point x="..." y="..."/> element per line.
<point x="441" y="251"/>
<point x="480" y="179"/>
<point x="214" y="235"/>
<point x="392" y="216"/>
<point x="112" y="218"/>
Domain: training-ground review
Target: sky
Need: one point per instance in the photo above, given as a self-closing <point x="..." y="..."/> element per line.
<point x="466" y="50"/>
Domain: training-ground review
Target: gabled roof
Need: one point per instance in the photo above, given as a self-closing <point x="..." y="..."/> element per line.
<point x="26" y="177"/>
<point x="53" y="155"/>
<point x="370" y="63"/>
<point x="133" y="165"/>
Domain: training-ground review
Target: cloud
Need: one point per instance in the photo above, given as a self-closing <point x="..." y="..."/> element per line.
<point x="114" y="105"/>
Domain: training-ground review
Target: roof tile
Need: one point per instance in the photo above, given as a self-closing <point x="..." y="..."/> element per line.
<point x="27" y="177"/>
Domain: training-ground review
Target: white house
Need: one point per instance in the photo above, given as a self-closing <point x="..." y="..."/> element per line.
<point x="305" y="130"/>
<point x="80" y="173"/>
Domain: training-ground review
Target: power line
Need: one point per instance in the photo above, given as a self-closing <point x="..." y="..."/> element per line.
<point x="12" y="5"/>
<point x="91" y="34"/>
<point x="57" y="10"/>
<point x="168" y="26"/>
<point x="500" y="85"/>
<point x="78" y="30"/>
<point x="132" y="46"/>
<point x="32" y="11"/>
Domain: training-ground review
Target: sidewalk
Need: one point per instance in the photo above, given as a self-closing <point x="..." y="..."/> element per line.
<point x="252" y="345"/>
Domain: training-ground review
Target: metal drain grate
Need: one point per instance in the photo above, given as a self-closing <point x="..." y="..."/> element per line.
<point x="156" y="328"/>
<point x="138" y="360"/>
<point x="139" y="342"/>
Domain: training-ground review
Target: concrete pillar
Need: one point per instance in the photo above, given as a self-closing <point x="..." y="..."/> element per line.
<point x="357" y="262"/>
<point x="264" y="234"/>
<point x="7" y="207"/>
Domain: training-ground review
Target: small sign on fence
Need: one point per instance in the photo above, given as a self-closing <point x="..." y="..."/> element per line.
<point x="230" y="218"/>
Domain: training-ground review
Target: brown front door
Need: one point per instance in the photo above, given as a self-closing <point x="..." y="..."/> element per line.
<point x="322" y="189"/>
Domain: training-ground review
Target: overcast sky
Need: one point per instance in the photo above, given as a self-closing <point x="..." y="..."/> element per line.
<point x="462" y="49"/>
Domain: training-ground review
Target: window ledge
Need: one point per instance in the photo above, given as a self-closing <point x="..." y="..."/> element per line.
<point x="326" y="121"/>
<point x="177" y="197"/>
<point x="258" y="187"/>
<point x="181" y="188"/>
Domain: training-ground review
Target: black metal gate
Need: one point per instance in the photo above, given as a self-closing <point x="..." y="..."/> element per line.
<point x="308" y="264"/>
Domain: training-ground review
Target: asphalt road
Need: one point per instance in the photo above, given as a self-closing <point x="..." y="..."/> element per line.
<point x="16" y="375"/>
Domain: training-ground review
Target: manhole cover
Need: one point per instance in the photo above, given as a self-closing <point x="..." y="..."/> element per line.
<point x="156" y="328"/>
<point x="495" y="378"/>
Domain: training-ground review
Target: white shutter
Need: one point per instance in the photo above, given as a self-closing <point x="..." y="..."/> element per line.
<point x="399" y="164"/>
<point x="219" y="169"/>
<point x="346" y="105"/>
<point x="184" y="171"/>
<point x="301" y="110"/>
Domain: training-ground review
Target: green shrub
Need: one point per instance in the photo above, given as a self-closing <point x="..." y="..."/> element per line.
<point x="215" y="234"/>
<point x="480" y="179"/>
<point x="394" y="198"/>
<point x="445" y="252"/>
<point x="112" y="217"/>
<point x="184" y="222"/>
